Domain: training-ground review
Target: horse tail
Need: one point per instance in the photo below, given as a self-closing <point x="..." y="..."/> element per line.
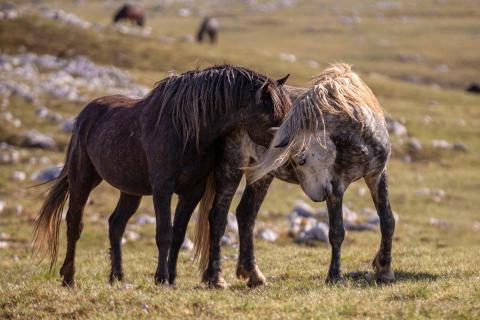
<point x="202" y="229"/>
<point x="47" y="225"/>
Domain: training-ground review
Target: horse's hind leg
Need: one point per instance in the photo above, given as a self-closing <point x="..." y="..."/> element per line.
<point x="336" y="232"/>
<point x="378" y="186"/>
<point x="247" y="210"/>
<point x="82" y="178"/>
<point x="186" y="204"/>
<point x="126" y="207"/>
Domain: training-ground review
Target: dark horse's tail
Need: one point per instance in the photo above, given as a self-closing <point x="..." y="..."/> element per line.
<point x="202" y="230"/>
<point x="47" y="225"/>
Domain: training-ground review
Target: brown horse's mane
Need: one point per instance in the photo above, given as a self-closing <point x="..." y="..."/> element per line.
<point x="194" y="98"/>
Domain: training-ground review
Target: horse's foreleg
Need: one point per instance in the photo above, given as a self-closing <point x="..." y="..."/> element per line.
<point x="247" y="210"/>
<point x="162" y="197"/>
<point x="382" y="262"/>
<point x="126" y="207"/>
<point x="186" y="205"/>
<point x="336" y="232"/>
<point x="226" y="185"/>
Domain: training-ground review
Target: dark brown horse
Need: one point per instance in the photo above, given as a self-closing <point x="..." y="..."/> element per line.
<point x="209" y="27"/>
<point x="162" y="144"/>
<point x="134" y="13"/>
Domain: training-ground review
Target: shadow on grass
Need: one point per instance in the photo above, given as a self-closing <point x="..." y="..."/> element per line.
<point x="365" y="278"/>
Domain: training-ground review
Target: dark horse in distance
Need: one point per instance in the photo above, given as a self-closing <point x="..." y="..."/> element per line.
<point x="135" y="14"/>
<point x="209" y="27"/>
<point x="162" y="144"/>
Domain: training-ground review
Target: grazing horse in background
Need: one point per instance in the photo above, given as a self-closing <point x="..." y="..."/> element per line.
<point x="334" y="134"/>
<point x="162" y="144"/>
<point x="134" y="13"/>
<point x="210" y="27"/>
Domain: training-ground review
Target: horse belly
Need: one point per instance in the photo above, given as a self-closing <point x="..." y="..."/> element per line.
<point x="119" y="159"/>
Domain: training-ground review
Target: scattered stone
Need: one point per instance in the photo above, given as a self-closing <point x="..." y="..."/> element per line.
<point x="441" y="144"/>
<point x="267" y="235"/>
<point x="436" y="194"/>
<point x="19" y="176"/>
<point x="232" y="224"/>
<point x="68" y="125"/>
<point x="8" y="155"/>
<point x="362" y="191"/>
<point x="395" y="127"/>
<point x="33" y="139"/>
<point x="459" y="146"/>
<point x="62" y="78"/>
<point x="313" y="64"/>
<point x="442" y="68"/>
<point x="132" y="235"/>
<point x="184" y="12"/>
<point x="187" y="244"/>
<point x="18" y="209"/>
<point x="47" y="174"/>
<point x="289" y="57"/>
<point x="145" y="219"/>
<point x="4" y="244"/>
<point x="319" y="232"/>
<point x="3" y="205"/>
<point x="67" y="17"/>
<point x="414" y="145"/>
<point x="228" y="239"/>
<point x="438" y="222"/>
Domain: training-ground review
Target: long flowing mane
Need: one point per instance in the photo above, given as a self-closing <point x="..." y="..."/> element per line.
<point x="337" y="90"/>
<point x="194" y="98"/>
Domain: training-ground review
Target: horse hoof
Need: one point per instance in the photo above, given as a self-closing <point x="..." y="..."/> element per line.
<point x="68" y="283"/>
<point x="161" y="281"/>
<point x="334" y="279"/>
<point x="386" y="276"/>
<point x="115" y="277"/>
<point x="242" y="273"/>
<point x="256" y="278"/>
<point x="383" y="274"/>
<point x="215" y="282"/>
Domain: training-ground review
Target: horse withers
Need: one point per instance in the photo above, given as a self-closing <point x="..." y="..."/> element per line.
<point x="134" y="13"/>
<point x="335" y="134"/>
<point x="162" y="144"/>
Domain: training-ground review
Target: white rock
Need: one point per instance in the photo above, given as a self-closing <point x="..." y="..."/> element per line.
<point x="19" y="176"/>
<point x="132" y="235"/>
<point x="33" y="139"/>
<point x="145" y="219"/>
<point x="3" y="205"/>
<point x="267" y="235"/>
<point x="415" y="145"/>
<point x="289" y="57"/>
<point x="47" y="174"/>
<point x="187" y="244"/>
<point x="232" y="223"/>
<point x="441" y="144"/>
<point x="318" y="233"/>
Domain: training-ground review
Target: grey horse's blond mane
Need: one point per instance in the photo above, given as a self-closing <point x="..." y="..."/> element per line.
<point x="337" y="90"/>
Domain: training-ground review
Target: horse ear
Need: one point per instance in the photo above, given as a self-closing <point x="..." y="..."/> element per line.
<point x="281" y="82"/>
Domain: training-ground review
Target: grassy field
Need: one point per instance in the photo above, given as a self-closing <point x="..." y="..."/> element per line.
<point x="400" y="49"/>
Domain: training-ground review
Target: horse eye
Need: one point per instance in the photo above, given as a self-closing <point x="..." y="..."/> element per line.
<point x="302" y="161"/>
